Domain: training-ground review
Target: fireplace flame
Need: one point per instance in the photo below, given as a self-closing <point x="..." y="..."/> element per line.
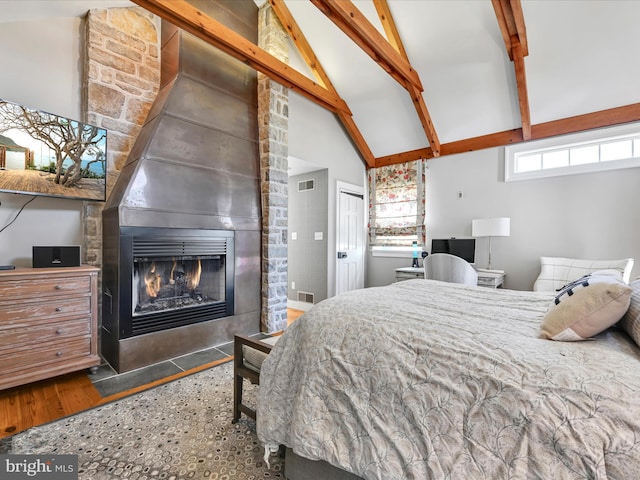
<point x="182" y="276"/>
<point x="172" y="278"/>
<point x="153" y="281"/>
<point x="194" y="277"/>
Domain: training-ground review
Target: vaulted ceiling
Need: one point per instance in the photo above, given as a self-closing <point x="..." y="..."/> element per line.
<point x="415" y="79"/>
<point x="418" y="79"/>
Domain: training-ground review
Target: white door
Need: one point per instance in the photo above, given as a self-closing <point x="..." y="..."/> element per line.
<point x="350" y="240"/>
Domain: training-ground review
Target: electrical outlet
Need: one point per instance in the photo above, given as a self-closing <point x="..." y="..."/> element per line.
<point x="293" y="285"/>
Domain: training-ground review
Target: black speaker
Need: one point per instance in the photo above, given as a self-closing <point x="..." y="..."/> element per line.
<point x="66" y="256"/>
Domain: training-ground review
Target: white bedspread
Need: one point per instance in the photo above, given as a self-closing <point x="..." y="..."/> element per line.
<point x="427" y="380"/>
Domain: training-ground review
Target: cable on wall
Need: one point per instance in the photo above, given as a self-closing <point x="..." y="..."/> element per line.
<point x="18" y="214"/>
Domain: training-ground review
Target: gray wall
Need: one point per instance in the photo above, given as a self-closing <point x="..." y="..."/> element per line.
<point x="316" y="136"/>
<point x="45" y="73"/>
<point x="308" y="214"/>
<point x="593" y="215"/>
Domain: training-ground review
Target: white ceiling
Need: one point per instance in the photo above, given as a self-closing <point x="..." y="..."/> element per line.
<point x="582" y="58"/>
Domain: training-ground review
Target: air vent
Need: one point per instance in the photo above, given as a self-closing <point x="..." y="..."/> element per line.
<point x="306" y="185"/>
<point x="153" y="247"/>
<point x="305" y="297"/>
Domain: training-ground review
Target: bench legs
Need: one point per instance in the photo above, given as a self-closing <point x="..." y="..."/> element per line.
<point x="237" y="397"/>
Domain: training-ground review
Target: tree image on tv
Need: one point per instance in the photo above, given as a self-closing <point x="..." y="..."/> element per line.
<point x="72" y="151"/>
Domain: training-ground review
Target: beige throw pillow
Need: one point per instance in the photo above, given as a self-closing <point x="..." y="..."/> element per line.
<point x="587" y="307"/>
<point x="630" y="323"/>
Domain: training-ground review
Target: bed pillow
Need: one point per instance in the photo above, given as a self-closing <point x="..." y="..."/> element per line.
<point x="586" y="307"/>
<point x="555" y="272"/>
<point x="630" y="323"/>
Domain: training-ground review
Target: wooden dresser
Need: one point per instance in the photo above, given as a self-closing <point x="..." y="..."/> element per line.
<point x="48" y="323"/>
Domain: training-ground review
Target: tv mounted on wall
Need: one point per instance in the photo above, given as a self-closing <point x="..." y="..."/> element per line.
<point x="460" y="247"/>
<point x="46" y="154"/>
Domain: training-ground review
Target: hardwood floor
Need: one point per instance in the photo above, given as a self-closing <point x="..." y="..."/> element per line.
<point x="292" y="315"/>
<point x="43" y="402"/>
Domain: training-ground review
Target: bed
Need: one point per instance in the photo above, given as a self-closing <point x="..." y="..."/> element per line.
<point x="423" y="379"/>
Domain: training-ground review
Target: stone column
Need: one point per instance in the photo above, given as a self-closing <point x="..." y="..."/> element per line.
<point x="122" y="76"/>
<point x="273" y="124"/>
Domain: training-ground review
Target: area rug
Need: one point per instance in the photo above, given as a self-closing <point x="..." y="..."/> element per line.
<point x="178" y="430"/>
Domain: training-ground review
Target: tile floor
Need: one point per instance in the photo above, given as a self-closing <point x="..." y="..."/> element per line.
<point x="108" y="382"/>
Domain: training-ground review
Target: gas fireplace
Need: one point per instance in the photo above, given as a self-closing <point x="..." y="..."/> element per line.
<point x="161" y="284"/>
<point x="176" y="276"/>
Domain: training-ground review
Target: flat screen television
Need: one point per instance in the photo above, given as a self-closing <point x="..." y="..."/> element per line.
<point x="46" y="154"/>
<point x="460" y="247"/>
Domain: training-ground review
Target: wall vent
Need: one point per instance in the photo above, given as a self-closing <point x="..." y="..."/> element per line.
<point x="305" y="297"/>
<point x="305" y="185"/>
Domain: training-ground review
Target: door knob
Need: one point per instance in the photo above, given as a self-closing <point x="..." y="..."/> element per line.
<point x="342" y="254"/>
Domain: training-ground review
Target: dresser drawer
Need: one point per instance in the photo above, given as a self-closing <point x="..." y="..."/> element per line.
<point x="46" y="355"/>
<point x="18" y="335"/>
<point x="36" y="287"/>
<point x="10" y="314"/>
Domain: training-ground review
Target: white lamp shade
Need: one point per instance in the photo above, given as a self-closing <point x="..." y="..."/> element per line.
<point x="491" y="227"/>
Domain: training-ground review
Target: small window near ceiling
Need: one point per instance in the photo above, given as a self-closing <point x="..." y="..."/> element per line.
<point x="592" y="151"/>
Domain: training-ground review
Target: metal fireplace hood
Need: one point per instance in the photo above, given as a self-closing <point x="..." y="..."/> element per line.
<point x="195" y="162"/>
<point x="193" y="169"/>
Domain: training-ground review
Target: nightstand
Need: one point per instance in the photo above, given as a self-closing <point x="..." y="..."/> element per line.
<point x="485" y="278"/>
<point x="409" y="273"/>
<point x="490" y="279"/>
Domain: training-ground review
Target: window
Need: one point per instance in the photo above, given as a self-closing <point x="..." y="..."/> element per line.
<point x="596" y="150"/>
<point x="396" y="208"/>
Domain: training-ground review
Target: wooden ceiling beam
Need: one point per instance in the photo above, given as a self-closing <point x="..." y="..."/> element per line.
<point x="389" y="26"/>
<point x="307" y="53"/>
<point x="521" y="29"/>
<point x="588" y="121"/>
<point x="185" y="16"/>
<point x="393" y="36"/>
<point x="514" y="34"/>
<point x="355" y="25"/>
<point x="564" y="126"/>
<point x="297" y="37"/>
<point x="521" y="85"/>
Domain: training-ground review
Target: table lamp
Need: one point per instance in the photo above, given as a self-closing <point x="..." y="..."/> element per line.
<point x="491" y="227"/>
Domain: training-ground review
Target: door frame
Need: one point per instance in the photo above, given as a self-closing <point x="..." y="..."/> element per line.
<point x="358" y="190"/>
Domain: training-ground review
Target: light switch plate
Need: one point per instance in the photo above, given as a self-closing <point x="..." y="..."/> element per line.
<point x="317" y="235"/>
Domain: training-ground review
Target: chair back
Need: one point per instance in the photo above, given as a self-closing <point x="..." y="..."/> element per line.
<point x="449" y="268"/>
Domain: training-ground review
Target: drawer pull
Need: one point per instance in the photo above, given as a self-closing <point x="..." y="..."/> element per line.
<point x="59" y="331"/>
<point x="58" y="309"/>
<point x="58" y="287"/>
<point x="58" y="354"/>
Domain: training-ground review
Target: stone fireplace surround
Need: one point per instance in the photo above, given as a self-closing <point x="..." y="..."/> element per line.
<point x="118" y="97"/>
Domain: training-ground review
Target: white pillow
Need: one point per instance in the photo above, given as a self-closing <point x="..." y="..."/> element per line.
<point x="555" y="272"/>
<point x="586" y="307"/>
<point x="630" y="323"/>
